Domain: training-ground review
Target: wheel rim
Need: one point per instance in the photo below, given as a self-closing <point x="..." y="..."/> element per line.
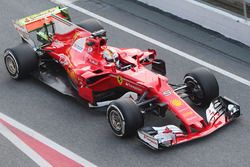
<point x="11" y="65"/>
<point x="195" y="91"/>
<point x="115" y="120"/>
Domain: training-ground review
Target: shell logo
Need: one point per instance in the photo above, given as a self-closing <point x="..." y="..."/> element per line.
<point x="176" y="102"/>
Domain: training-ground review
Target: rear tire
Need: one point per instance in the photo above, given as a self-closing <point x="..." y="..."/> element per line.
<point x="202" y="86"/>
<point x="20" y="61"/>
<point x="91" y="25"/>
<point x="124" y="117"/>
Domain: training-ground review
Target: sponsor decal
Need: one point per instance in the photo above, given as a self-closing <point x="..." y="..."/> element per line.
<point x="188" y="113"/>
<point x="58" y="44"/>
<point x="119" y="80"/>
<point x="79" y="44"/>
<point x="90" y="49"/>
<point x="34" y="17"/>
<point x="150" y="139"/>
<point x="133" y="86"/>
<point x="27" y="20"/>
<point x="167" y="93"/>
<point x="93" y="61"/>
<point x="127" y="83"/>
<point x="176" y="102"/>
<point x="63" y="59"/>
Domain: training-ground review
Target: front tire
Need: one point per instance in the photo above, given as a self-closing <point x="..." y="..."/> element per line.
<point x="202" y="86"/>
<point x="20" y="61"/>
<point x="124" y="117"/>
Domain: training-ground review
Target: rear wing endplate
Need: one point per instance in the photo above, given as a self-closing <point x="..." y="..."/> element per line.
<point x="37" y="21"/>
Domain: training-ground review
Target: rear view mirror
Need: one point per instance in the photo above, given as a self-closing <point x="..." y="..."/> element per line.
<point x="159" y="66"/>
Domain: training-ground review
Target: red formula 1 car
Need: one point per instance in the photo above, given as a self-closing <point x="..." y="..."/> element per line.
<point x="75" y="60"/>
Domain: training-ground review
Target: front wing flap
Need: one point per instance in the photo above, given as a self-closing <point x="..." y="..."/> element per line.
<point x="221" y="111"/>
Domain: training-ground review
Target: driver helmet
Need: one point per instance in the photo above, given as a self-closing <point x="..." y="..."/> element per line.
<point x="110" y="55"/>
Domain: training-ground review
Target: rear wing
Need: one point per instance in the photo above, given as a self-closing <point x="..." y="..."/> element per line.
<point x="38" y="21"/>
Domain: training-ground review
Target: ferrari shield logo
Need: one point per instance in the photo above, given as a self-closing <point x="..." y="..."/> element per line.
<point x="119" y="79"/>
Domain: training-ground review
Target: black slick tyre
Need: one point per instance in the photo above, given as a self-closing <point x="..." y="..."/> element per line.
<point x="20" y="61"/>
<point x="124" y="117"/>
<point x="202" y="86"/>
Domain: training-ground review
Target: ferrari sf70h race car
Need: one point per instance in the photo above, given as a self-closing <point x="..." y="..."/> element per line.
<point x="76" y="60"/>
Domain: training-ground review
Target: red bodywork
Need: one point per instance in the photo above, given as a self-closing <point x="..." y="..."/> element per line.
<point x="81" y="55"/>
<point x="85" y="62"/>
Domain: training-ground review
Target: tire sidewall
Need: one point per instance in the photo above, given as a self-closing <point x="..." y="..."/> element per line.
<point x="9" y="53"/>
<point x="121" y="132"/>
<point x="188" y="77"/>
<point x="207" y="82"/>
<point x="130" y="114"/>
<point x="25" y="59"/>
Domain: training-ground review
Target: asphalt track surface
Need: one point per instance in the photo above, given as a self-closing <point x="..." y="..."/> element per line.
<point x="86" y="132"/>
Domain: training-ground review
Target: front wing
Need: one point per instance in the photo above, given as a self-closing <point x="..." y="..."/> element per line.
<point x="220" y="112"/>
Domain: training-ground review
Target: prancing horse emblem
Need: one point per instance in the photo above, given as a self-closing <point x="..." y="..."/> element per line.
<point x="119" y="79"/>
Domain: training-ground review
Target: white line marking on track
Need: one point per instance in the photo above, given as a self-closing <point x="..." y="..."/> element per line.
<point x="155" y="42"/>
<point x="23" y="147"/>
<point x="45" y="140"/>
